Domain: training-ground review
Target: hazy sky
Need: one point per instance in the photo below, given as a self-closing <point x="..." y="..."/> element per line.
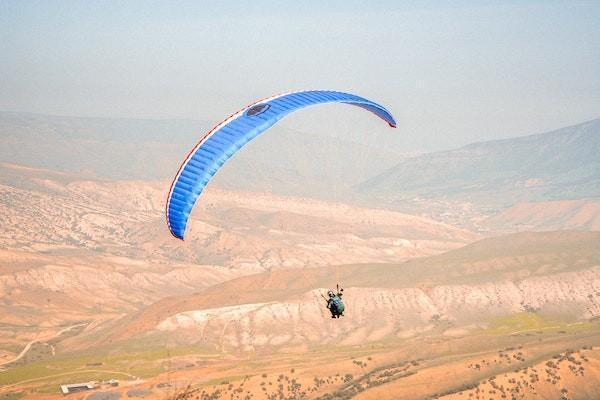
<point x="451" y="72"/>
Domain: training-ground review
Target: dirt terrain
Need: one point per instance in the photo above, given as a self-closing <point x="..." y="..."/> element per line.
<point x="93" y="288"/>
<point x="484" y="365"/>
<point x="549" y="215"/>
<point x="554" y="272"/>
<point x="485" y="326"/>
<point x="75" y="250"/>
<point x="255" y="231"/>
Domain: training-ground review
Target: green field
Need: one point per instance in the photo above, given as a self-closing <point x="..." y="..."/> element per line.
<point x="526" y="322"/>
<point x="99" y="365"/>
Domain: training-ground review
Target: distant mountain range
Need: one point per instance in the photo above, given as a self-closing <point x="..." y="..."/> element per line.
<point x="562" y="164"/>
<point x="98" y="147"/>
<point x="283" y="161"/>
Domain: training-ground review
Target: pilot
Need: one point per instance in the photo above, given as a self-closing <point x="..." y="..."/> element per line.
<point x="335" y="304"/>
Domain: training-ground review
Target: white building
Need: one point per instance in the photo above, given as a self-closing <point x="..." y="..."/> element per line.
<point x="77" y="387"/>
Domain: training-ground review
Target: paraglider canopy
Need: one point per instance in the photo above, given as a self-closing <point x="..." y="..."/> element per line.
<point x="226" y="138"/>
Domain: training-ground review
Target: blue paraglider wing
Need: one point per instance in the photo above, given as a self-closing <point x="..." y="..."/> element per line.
<point x="229" y="136"/>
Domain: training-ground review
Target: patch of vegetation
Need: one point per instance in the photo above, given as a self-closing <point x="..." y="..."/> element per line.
<point x="552" y="372"/>
<point x="11" y="395"/>
<point x="12" y="348"/>
<point x="224" y="380"/>
<point x="459" y="389"/>
<point x="524" y="322"/>
<point x="376" y="377"/>
<point x="76" y="366"/>
<point x="37" y="352"/>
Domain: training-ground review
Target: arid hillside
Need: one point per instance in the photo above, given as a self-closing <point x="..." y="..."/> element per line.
<point x="554" y="275"/>
<point x="75" y="250"/>
<point x="93" y="287"/>
<point x="507" y="317"/>
<point x="548" y="216"/>
<point x="49" y="211"/>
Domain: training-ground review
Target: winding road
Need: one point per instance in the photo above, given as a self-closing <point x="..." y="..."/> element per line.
<point x="28" y="345"/>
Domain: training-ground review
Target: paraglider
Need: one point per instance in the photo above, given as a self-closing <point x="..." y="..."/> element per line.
<point x="334" y="302"/>
<point x="226" y="138"/>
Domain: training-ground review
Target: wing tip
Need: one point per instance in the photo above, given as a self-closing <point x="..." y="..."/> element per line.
<point x="176" y="235"/>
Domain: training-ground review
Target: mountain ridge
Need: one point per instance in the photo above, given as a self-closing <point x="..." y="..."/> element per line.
<point x="556" y="165"/>
<point x="549" y="274"/>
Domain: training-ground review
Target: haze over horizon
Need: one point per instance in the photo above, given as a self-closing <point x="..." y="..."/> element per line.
<point x="452" y="74"/>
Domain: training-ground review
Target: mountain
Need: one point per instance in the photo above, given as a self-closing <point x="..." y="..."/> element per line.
<point x="57" y="212"/>
<point x="93" y="287"/>
<point x="282" y="161"/>
<point x="581" y="214"/>
<point x="289" y="162"/>
<point x="98" y="147"/>
<point x="74" y="249"/>
<point x="550" y="274"/>
<point x="557" y="165"/>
